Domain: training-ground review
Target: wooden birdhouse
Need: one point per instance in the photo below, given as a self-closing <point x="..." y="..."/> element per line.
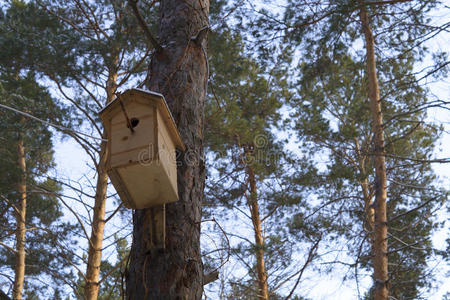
<point x="142" y="137"/>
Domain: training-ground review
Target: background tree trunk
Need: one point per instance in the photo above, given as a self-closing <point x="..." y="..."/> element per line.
<point x="98" y="227"/>
<point x="380" y="260"/>
<point x="98" y="219"/>
<point x="179" y="72"/>
<point x="20" y="219"/>
<point x="263" y="292"/>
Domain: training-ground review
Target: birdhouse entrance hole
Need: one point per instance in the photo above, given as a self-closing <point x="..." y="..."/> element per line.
<point x="134" y="122"/>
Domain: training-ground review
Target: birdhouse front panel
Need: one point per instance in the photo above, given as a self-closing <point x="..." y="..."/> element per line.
<point x="139" y="145"/>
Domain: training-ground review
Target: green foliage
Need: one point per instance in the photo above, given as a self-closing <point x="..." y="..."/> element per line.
<point x="24" y="51"/>
<point x="243" y="118"/>
<point x="32" y="39"/>
<point x="332" y="115"/>
<point x="303" y="198"/>
<point x="46" y="232"/>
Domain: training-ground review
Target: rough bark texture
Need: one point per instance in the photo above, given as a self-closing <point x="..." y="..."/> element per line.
<point x="98" y="220"/>
<point x="180" y="73"/>
<point x="20" y="220"/>
<point x="263" y="289"/>
<point x="380" y="260"/>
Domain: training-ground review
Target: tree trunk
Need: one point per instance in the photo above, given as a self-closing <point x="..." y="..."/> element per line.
<point x="380" y="260"/>
<point x="98" y="227"/>
<point x="98" y="219"/>
<point x="263" y="292"/>
<point x="20" y="220"/>
<point x="179" y="72"/>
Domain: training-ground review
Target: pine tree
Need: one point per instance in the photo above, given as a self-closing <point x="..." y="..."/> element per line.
<point x="250" y="171"/>
<point x="338" y="88"/>
<point x="40" y="234"/>
<point x="28" y="196"/>
<point x="111" y="49"/>
<point x="240" y="127"/>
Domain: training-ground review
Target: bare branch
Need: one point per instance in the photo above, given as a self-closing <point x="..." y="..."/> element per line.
<point x="210" y="277"/>
<point x="411" y="210"/>
<point x="311" y="254"/>
<point x="144" y="26"/>
<point x="75" y="214"/>
<point x="7" y="247"/>
<point x="11" y="204"/>
<point x="115" y="212"/>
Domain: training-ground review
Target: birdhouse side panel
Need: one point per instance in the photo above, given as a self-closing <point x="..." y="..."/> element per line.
<point x="167" y="154"/>
<point x="128" y="146"/>
<point x="121" y="189"/>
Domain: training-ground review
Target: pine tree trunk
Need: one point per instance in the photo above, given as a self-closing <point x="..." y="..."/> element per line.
<point x="179" y="72"/>
<point x="98" y="219"/>
<point x="263" y="292"/>
<point x="380" y="260"/>
<point x="20" y="219"/>
<point x="98" y="227"/>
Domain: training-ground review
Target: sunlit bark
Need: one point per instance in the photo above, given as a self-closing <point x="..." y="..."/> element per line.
<point x="380" y="247"/>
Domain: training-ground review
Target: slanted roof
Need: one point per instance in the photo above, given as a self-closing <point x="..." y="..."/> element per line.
<point x="154" y="98"/>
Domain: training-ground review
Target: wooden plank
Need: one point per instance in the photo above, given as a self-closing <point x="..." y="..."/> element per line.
<point x="158" y="227"/>
<point x="140" y="155"/>
<point x="166" y="153"/>
<point x="123" y="139"/>
<point x="147" y="185"/>
<point x="121" y="189"/>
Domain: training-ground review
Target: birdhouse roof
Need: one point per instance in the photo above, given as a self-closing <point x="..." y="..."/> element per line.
<point x="153" y="98"/>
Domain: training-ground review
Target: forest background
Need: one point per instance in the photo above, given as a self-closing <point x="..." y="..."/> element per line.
<point x="287" y="127"/>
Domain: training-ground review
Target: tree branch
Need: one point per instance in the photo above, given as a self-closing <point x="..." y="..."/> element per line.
<point x="311" y="255"/>
<point x="144" y="27"/>
<point x="210" y="277"/>
<point x="9" y="248"/>
<point x="411" y="210"/>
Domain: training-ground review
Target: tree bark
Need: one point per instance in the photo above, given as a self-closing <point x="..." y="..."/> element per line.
<point x="263" y="292"/>
<point x="180" y="73"/>
<point x="20" y="220"/>
<point x="380" y="260"/>
<point x="98" y="227"/>
<point x="98" y="220"/>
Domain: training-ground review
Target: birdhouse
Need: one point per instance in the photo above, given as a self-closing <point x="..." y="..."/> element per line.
<point x="142" y="137"/>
